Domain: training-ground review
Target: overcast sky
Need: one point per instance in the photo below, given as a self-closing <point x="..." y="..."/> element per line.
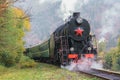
<point x="47" y="15"/>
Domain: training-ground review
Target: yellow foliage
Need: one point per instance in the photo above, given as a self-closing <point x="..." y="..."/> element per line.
<point x="101" y="54"/>
<point x="27" y="24"/>
<point x="20" y="14"/>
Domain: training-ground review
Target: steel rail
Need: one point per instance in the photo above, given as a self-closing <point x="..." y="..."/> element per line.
<point x="103" y="74"/>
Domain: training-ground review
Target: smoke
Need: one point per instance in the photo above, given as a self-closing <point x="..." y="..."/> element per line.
<point x="97" y="65"/>
<point x="83" y="65"/>
<point x="68" y="7"/>
<point x="71" y="67"/>
<point x="47" y="1"/>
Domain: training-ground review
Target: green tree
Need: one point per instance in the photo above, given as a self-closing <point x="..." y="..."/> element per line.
<point x="112" y="58"/>
<point x="118" y="44"/>
<point x="102" y="46"/>
<point x="11" y="43"/>
<point x="108" y="61"/>
<point x="11" y="34"/>
<point x="101" y="49"/>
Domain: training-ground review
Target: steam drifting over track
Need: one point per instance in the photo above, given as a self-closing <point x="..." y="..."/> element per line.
<point x="94" y="71"/>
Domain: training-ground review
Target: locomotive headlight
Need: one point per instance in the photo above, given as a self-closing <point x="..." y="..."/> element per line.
<point x="89" y="48"/>
<point x="79" y="20"/>
<point x="72" y="49"/>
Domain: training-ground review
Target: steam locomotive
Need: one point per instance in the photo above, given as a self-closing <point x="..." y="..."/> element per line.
<point x="71" y="41"/>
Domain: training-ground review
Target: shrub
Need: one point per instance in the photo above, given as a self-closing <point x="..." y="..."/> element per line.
<point x="116" y="62"/>
<point x="7" y="59"/>
<point x="26" y="62"/>
<point x="112" y="60"/>
<point x="107" y="61"/>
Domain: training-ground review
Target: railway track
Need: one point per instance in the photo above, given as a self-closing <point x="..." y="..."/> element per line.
<point x="103" y="74"/>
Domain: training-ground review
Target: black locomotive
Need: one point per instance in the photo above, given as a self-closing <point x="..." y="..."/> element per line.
<point x="69" y="42"/>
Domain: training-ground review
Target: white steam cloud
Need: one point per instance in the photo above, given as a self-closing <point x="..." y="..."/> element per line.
<point x="44" y="1"/>
<point x="68" y="7"/>
<point x="83" y="65"/>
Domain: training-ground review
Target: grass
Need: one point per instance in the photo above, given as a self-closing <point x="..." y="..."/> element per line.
<point x="41" y="72"/>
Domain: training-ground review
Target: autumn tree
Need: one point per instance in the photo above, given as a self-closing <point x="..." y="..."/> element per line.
<point x="112" y="58"/>
<point x="13" y="23"/>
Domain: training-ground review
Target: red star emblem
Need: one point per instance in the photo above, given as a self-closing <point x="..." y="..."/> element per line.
<point x="79" y="32"/>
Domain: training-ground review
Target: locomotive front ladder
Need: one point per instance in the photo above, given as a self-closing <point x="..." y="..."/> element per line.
<point x="64" y="49"/>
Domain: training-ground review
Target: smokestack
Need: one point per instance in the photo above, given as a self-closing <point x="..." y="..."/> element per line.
<point x="76" y="14"/>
